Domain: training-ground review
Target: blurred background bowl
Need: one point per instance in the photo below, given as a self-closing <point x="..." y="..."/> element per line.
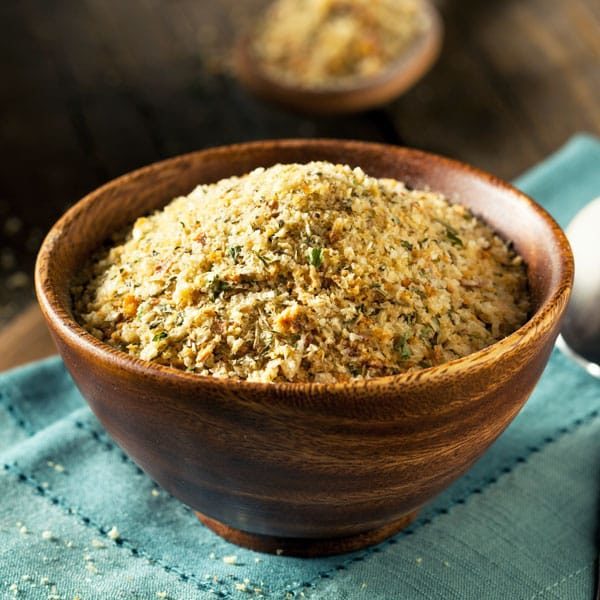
<point x="413" y="64"/>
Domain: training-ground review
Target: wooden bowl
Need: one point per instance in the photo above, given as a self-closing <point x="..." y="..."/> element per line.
<point x="411" y="66"/>
<point x="309" y="469"/>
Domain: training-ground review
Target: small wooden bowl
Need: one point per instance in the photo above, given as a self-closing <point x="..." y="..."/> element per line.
<point x="308" y="469"/>
<point x="414" y="63"/>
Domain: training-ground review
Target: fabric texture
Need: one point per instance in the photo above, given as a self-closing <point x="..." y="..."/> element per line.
<point x="78" y="519"/>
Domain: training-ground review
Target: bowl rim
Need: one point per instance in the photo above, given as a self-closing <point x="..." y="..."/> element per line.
<point x="59" y="315"/>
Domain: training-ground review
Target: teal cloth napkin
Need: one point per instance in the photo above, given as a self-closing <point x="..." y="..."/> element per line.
<point x="78" y="519"/>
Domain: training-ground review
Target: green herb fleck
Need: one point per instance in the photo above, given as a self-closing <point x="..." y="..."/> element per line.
<point x="217" y="287"/>
<point x="453" y="237"/>
<point x="407" y="245"/>
<point x="451" y="233"/>
<point x="401" y="346"/>
<point x="262" y="259"/>
<point x="159" y="336"/>
<point x="235" y="252"/>
<point x="315" y="257"/>
<point x="354" y="370"/>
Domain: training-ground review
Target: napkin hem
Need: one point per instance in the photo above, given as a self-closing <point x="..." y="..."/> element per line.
<point x="562" y="580"/>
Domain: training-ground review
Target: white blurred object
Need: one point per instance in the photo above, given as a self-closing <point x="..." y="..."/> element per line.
<point x="580" y="333"/>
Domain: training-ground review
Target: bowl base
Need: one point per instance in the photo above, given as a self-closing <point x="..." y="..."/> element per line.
<point x="306" y="547"/>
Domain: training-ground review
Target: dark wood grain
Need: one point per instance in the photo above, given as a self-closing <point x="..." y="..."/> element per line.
<point x="319" y="462"/>
<point x="515" y="80"/>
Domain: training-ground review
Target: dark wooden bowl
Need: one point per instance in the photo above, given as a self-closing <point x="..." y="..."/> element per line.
<point x="414" y="63"/>
<point x="306" y="468"/>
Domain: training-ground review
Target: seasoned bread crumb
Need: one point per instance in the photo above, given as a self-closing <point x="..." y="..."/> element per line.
<point x="304" y="273"/>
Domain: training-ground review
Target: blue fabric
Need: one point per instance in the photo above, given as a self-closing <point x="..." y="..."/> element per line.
<point x="520" y="525"/>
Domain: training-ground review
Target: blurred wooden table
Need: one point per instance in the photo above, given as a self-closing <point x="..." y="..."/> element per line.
<point x="97" y="88"/>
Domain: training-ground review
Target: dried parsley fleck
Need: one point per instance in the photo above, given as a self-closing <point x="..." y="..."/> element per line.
<point x="451" y="233"/>
<point x="235" y="252"/>
<point x="354" y="370"/>
<point x="315" y="257"/>
<point x="159" y="336"/>
<point x="262" y="259"/>
<point x="217" y="287"/>
<point x="453" y="237"/>
<point x="407" y="245"/>
<point x="401" y="346"/>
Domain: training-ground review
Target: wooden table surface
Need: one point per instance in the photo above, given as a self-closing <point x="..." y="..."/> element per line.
<point x="95" y="88"/>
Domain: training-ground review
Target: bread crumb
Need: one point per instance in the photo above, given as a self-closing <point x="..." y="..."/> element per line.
<point x="212" y="555"/>
<point x="419" y="560"/>
<point x="45" y="581"/>
<point x="23" y="530"/>
<point x="161" y="595"/>
<point x="114" y="534"/>
<point x="227" y="289"/>
<point x="241" y="587"/>
<point x="230" y="560"/>
<point x="26" y="578"/>
<point x="446" y="563"/>
<point x="279" y="551"/>
<point x="48" y="535"/>
<point x="257" y="560"/>
<point x="155" y="492"/>
<point x="96" y="543"/>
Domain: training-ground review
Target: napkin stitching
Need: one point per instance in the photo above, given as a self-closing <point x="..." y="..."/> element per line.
<point x="88" y="522"/>
<point x="416" y="525"/>
<point x="16" y="414"/>
<point x="562" y="580"/>
<point x="102" y="438"/>
<point x="108" y="445"/>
